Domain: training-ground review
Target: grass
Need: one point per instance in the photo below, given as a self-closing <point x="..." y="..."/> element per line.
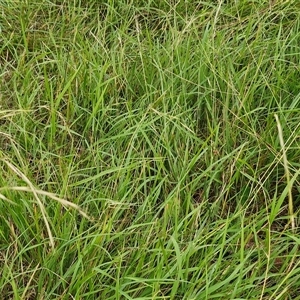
<point x="149" y="149"/>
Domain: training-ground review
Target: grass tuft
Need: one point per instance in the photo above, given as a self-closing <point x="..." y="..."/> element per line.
<point x="149" y="149"/>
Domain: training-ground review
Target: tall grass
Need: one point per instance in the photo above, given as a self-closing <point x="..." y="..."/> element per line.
<point x="149" y="149"/>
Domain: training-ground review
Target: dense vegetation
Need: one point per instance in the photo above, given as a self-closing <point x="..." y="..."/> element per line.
<point x="149" y="149"/>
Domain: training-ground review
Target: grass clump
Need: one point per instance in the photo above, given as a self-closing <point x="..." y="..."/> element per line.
<point x="149" y="150"/>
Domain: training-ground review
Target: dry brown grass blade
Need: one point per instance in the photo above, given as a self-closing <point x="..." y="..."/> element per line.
<point x="36" y="192"/>
<point x="53" y="196"/>
<point x="40" y="204"/>
<point x="287" y="172"/>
